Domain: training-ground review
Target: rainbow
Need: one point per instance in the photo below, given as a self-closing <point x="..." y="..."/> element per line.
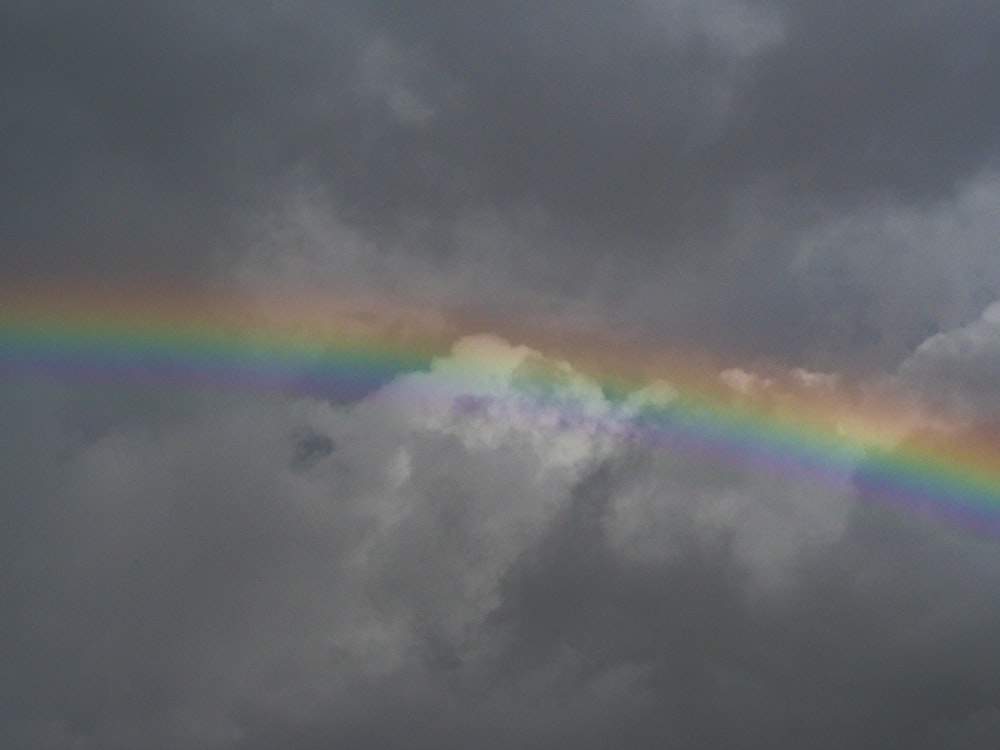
<point x="303" y="345"/>
<point x="193" y="340"/>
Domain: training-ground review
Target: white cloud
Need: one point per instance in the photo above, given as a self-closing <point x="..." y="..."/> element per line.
<point x="390" y="75"/>
<point x="738" y="28"/>
<point x="889" y="274"/>
<point x="957" y="369"/>
<point x="744" y="382"/>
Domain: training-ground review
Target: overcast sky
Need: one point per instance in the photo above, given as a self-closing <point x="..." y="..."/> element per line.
<point x="810" y="184"/>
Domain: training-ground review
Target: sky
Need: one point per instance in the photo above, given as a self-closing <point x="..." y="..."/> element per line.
<point x="798" y="191"/>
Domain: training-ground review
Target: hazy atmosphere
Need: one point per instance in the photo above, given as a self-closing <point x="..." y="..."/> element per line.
<point x="798" y="191"/>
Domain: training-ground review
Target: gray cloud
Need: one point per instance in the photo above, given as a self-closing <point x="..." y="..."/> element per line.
<point x="467" y="571"/>
<point x="808" y="182"/>
<point x="958" y="368"/>
<point x="654" y="140"/>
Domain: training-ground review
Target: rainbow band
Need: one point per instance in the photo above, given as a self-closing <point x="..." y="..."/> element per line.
<point x="98" y="351"/>
<point x="320" y="350"/>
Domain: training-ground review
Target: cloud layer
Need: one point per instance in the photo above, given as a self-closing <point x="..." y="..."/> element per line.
<point x="467" y="570"/>
<point x="805" y="184"/>
<point x="670" y="156"/>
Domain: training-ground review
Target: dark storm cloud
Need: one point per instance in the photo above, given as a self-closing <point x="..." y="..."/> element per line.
<point x="191" y="589"/>
<point x="876" y="644"/>
<point x="804" y="180"/>
<point x="868" y="97"/>
<point x="134" y="131"/>
<point x="651" y="116"/>
<point x="466" y="576"/>
<point x="132" y="124"/>
<point x="141" y="131"/>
